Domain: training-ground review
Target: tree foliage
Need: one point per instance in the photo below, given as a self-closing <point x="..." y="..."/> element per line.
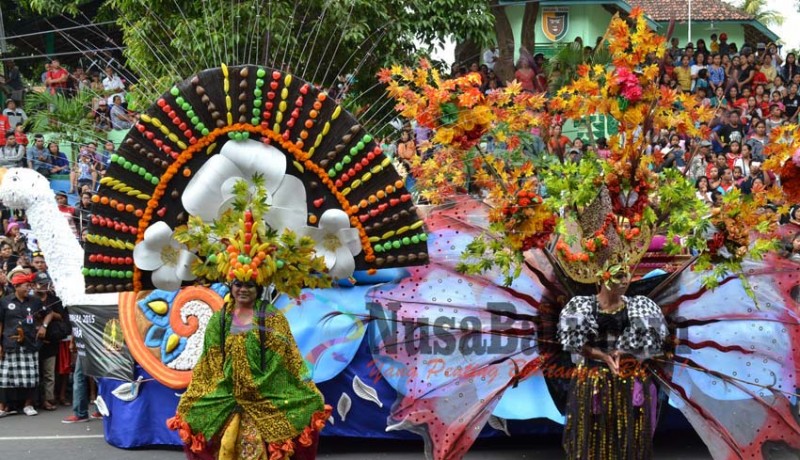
<point x="167" y="40"/>
<point x="757" y="9"/>
<point x="65" y="117"/>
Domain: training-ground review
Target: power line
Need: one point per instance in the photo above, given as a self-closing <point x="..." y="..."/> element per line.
<point x="82" y="26"/>
<point x="65" y="53"/>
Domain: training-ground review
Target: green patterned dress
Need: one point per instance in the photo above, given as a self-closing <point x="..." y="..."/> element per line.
<point x="263" y="401"/>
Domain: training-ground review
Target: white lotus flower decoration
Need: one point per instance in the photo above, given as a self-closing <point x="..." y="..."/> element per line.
<point x="336" y="241"/>
<point x="210" y="192"/>
<point x="169" y="260"/>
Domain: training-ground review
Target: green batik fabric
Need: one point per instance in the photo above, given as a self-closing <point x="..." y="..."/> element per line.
<point x="281" y="399"/>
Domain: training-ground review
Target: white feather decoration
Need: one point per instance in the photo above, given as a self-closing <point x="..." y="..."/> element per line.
<point x="343" y="407"/>
<point x="364" y="391"/>
<point x="499" y="424"/>
<point x="101" y="406"/>
<point x="128" y="391"/>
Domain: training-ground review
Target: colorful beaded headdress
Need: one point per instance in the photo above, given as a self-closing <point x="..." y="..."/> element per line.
<point x="325" y="177"/>
<point x="240" y="245"/>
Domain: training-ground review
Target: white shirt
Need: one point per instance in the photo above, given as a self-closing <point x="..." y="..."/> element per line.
<point x="15" y="116"/>
<point x="745" y="167"/>
<point x="114" y="83"/>
<point x="489" y="58"/>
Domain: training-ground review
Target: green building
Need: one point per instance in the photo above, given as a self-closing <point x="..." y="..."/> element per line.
<point x="562" y="21"/>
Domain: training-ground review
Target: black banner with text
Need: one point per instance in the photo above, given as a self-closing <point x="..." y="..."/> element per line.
<point x="98" y="338"/>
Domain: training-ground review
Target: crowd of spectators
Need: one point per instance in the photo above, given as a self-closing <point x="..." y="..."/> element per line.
<point x="38" y="366"/>
<point x="752" y="90"/>
<point x="84" y="165"/>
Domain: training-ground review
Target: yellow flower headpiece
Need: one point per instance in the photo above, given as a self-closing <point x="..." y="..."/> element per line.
<point x="239" y="245"/>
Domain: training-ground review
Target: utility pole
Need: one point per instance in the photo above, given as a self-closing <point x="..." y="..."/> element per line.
<point x="3" y="43"/>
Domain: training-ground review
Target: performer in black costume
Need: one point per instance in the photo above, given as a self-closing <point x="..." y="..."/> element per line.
<point x="613" y="400"/>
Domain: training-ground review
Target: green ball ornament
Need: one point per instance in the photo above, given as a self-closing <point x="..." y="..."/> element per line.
<point x="279" y="263"/>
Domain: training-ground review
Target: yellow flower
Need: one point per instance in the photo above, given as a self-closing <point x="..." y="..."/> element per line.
<point x="443" y="136"/>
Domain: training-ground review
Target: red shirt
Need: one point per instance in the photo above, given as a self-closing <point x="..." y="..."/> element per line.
<point x="759" y="79"/>
<point x="22" y="138"/>
<point x="55" y="75"/>
<point x="5" y="125"/>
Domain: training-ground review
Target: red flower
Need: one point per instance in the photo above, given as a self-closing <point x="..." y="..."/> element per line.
<point x="790" y="181"/>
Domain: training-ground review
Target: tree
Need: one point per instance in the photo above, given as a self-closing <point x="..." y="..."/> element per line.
<point x="756" y="8"/>
<point x="166" y="41"/>
<point x="562" y="68"/>
<point x="504" y="36"/>
<point x="66" y="117"/>
<point x="177" y="39"/>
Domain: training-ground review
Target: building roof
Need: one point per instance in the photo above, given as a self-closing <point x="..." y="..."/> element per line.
<point x="702" y="10"/>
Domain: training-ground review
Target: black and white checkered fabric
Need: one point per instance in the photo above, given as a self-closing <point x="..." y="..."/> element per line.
<point x="577" y="324"/>
<point x="643" y="337"/>
<point x="19" y="369"/>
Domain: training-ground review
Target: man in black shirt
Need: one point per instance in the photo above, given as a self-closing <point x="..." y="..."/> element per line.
<point x="732" y="130"/>
<point x="792" y="103"/>
<point x="47" y="353"/>
<point x="21" y="339"/>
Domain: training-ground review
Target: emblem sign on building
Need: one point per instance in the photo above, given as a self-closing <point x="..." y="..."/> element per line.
<point x="555" y="22"/>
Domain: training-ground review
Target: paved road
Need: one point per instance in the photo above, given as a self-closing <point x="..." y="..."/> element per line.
<point x="44" y="437"/>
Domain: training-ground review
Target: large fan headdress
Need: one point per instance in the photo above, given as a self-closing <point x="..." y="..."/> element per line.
<point x="321" y="169"/>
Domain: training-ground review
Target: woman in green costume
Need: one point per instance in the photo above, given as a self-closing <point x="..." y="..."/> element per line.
<point x="251" y="395"/>
<point x="248" y="400"/>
